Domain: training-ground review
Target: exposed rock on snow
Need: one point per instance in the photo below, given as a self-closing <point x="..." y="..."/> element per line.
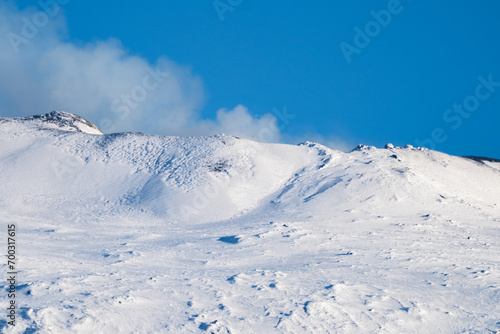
<point x="58" y="120"/>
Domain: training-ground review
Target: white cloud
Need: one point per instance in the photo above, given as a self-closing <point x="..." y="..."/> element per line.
<point x="239" y="122"/>
<point x="41" y="71"/>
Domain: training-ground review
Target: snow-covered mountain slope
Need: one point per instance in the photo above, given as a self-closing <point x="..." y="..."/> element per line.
<point x="139" y="234"/>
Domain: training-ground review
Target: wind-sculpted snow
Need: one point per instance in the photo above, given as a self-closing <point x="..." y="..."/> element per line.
<point x="145" y="234"/>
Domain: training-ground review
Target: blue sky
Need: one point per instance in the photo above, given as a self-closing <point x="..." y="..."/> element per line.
<point x="265" y="55"/>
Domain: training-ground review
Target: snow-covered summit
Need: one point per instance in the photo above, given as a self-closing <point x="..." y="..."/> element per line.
<point x="169" y="176"/>
<point x="58" y="120"/>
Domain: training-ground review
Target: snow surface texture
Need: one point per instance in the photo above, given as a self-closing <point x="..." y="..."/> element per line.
<point x="131" y="233"/>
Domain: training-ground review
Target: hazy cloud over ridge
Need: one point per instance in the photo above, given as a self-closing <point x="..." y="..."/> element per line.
<point x="41" y="71"/>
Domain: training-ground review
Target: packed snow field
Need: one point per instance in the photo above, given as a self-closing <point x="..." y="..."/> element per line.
<point x="132" y="233"/>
